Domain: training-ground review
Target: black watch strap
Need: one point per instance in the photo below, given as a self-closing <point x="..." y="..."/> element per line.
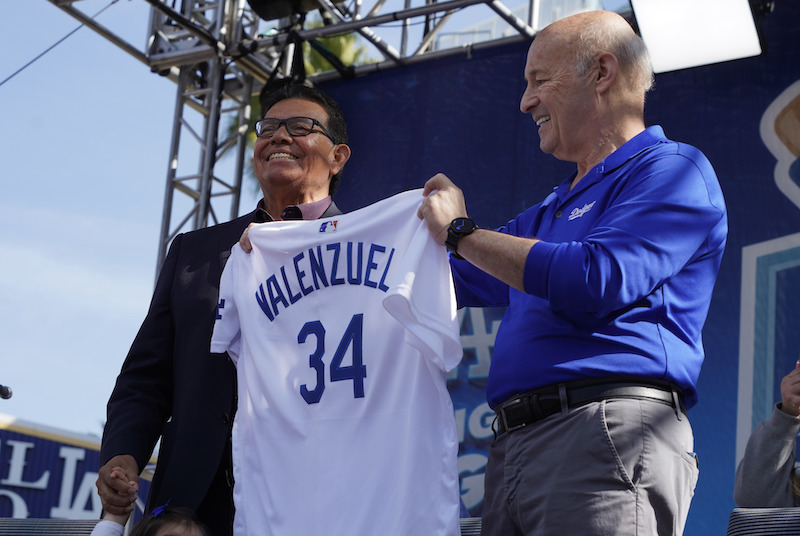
<point x="459" y="228"/>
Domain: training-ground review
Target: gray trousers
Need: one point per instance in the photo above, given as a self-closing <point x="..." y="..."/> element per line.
<point x="614" y="467"/>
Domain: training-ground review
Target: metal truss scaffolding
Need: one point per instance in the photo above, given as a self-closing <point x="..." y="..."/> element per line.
<point x="219" y="55"/>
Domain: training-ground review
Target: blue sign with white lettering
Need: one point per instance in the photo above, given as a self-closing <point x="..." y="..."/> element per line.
<point x="47" y="473"/>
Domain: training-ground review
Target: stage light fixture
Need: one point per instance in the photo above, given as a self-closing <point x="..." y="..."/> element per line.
<point x="688" y="33"/>
<point x="278" y="9"/>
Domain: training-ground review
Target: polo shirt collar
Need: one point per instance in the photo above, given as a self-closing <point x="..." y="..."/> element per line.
<point x="642" y="141"/>
<point x="630" y="149"/>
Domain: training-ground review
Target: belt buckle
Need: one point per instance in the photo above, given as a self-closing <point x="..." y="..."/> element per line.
<point x="504" y="417"/>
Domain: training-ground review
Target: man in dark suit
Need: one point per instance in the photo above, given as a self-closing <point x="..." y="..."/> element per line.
<point x="170" y="385"/>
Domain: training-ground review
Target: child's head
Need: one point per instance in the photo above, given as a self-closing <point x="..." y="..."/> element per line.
<point x="171" y="521"/>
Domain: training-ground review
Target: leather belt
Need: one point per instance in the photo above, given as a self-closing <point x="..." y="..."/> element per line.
<point x="539" y="404"/>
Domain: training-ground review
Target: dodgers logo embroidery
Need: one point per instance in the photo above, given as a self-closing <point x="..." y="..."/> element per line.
<point x="578" y="212"/>
<point x="328" y="226"/>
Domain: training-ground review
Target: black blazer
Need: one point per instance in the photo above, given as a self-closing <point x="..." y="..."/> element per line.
<point x="170" y="385"/>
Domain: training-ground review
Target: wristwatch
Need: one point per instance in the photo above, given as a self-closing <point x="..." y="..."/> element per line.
<point x="459" y="228"/>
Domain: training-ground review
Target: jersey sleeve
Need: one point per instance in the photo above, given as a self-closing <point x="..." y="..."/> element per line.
<point x="423" y="300"/>
<point x="227" y="335"/>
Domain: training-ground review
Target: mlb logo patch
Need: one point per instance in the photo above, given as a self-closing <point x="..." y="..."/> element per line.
<point x="328" y="226"/>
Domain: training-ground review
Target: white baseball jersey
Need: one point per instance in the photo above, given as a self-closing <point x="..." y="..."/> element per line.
<point x="343" y="330"/>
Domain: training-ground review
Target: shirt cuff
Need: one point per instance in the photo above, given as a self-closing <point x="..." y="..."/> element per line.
<point x="537" y="269"/>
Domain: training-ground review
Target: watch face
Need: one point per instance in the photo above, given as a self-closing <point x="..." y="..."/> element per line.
<point x="459" y="227"/>
<point x="462" y="225"/>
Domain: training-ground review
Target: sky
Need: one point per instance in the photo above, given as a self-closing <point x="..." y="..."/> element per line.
<point x="83" y="167"/>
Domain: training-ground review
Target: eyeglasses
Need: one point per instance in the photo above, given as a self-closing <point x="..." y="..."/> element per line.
<point x="295" y="126"/>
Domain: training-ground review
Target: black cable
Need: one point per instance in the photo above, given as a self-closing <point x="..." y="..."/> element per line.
<point x="54" y="45"/>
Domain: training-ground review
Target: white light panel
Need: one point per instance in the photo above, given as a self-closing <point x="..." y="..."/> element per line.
<point x="688" y="33"/>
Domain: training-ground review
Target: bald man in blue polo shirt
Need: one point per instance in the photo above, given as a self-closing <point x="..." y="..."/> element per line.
<point x="607" y="284"/>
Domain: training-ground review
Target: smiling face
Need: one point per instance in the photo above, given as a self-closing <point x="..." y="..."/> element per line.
<point x="558" y="98"/>
<point x="297" y="169"/>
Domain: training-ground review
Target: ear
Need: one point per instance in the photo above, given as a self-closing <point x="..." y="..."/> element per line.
<point x="607" y="70"/>
<point x="339" y="157"/>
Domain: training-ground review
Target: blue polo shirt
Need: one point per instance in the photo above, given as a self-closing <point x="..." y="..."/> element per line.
<point x="621" y="281"/>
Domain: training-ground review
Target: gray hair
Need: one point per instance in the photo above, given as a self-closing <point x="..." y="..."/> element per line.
<point x="629" y="49"/>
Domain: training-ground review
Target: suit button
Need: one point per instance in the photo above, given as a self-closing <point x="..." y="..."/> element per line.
<point x="226" y="418"/>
